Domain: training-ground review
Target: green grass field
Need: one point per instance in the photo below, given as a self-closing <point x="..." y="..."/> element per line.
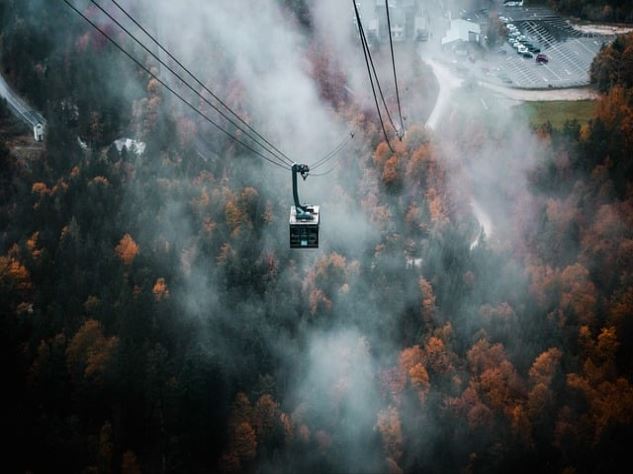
<point x="558" y="112"/>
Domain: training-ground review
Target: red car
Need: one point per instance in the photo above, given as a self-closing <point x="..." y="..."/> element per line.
<point x="542" y="58"/>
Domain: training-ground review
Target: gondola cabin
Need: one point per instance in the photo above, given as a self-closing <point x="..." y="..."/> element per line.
<point x="304" y="228"/>
<point x="304" y="220"/>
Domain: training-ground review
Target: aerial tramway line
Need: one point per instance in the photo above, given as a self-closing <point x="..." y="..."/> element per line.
<point x="374" y="81"/>
<point x="304" y="220"/>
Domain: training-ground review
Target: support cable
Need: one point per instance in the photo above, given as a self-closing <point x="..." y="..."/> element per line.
<point x="333" y="153"/>
<point x="198" y="81"/>
<point x="395" y="76"/>
<point x="371" y="80"/>
<point x="324" y="173"/>
<point x="270" y="148"/>
<point x="170" y="89"/>
<point x="373" y="68"/>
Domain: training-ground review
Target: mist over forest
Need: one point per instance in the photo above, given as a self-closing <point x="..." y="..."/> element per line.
<point x="469" y="309"/>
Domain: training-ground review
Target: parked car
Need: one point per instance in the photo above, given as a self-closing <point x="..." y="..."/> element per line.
<point x="522" y="49"/>
<point x="527" y="54"/>
<point x="542" y="58"/>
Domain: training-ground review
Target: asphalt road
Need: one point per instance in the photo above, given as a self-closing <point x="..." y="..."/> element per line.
<point x="448" y="82"/>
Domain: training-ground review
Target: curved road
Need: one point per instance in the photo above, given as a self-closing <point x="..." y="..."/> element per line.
<point x="448" y="82"/>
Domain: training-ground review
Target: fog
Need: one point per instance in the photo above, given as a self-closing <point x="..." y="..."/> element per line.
<point x="258" y="53"/>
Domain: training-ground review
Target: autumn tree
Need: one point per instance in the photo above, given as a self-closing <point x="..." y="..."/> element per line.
<point x="89" y="352"/>
<point x="541" y="375"/>
<point x="328" y="279"/>
<point x="15" y="280"/>
<point x="428" y="307"/>
<point x="391" y="174"/>
<point x="106" y="449"/>
<point x="390" y="429"/>
<point x="127" y="249"/>
<point x="160" y="290"/>
<point x="614" y="64"/>
<point x="578" y="293"/>
<point x="129" y="464"/>
<point x="412" y="364"/>
<point x="266" y="416"/>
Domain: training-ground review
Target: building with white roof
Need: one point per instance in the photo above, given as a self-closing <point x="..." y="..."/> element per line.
<point x="462" y="30"/>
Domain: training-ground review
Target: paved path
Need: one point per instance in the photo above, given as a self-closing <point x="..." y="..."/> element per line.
<point x="448" y="82"/>
<point x="524" y="95"/>
<point x="601" y="29"/>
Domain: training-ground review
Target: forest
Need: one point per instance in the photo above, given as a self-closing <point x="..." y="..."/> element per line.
<point x="154" y="319"/>
<point x="595" y="10"/>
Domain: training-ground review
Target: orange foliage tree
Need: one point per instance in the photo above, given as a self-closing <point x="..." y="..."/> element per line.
<point x="13" y="275"/>
<point x="127" y="249"/>
<point x="412" y="364"/>
<point x="390" y="429"/>
<point x="90" y="352"/>
<point x="579" y="294"/>
<point x="391" y="172"/>
<point x="428" y="307"/>
<point x="160" y="289"/>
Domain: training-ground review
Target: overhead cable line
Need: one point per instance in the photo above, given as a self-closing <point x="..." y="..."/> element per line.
<point x="334" y="152"/>
<point x="170" y="89"/>
<point x="371" y="80"/>
<point x="325" y="173"/>
<point x="270" y="149"/>
<point x="285" y="157"/>
<point x="198" y="81"/>
<point x="373" y="68"/>
<point x="395" y="76"/>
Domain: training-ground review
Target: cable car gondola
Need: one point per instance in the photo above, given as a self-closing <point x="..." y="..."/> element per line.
<point x="304" y="220"/>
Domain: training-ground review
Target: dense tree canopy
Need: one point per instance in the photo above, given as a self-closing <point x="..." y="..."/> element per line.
<point x="596" y="10"/>
<point x="153" y="319"/>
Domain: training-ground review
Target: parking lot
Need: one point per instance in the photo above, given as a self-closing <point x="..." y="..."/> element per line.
<point x="570" y="52"/>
